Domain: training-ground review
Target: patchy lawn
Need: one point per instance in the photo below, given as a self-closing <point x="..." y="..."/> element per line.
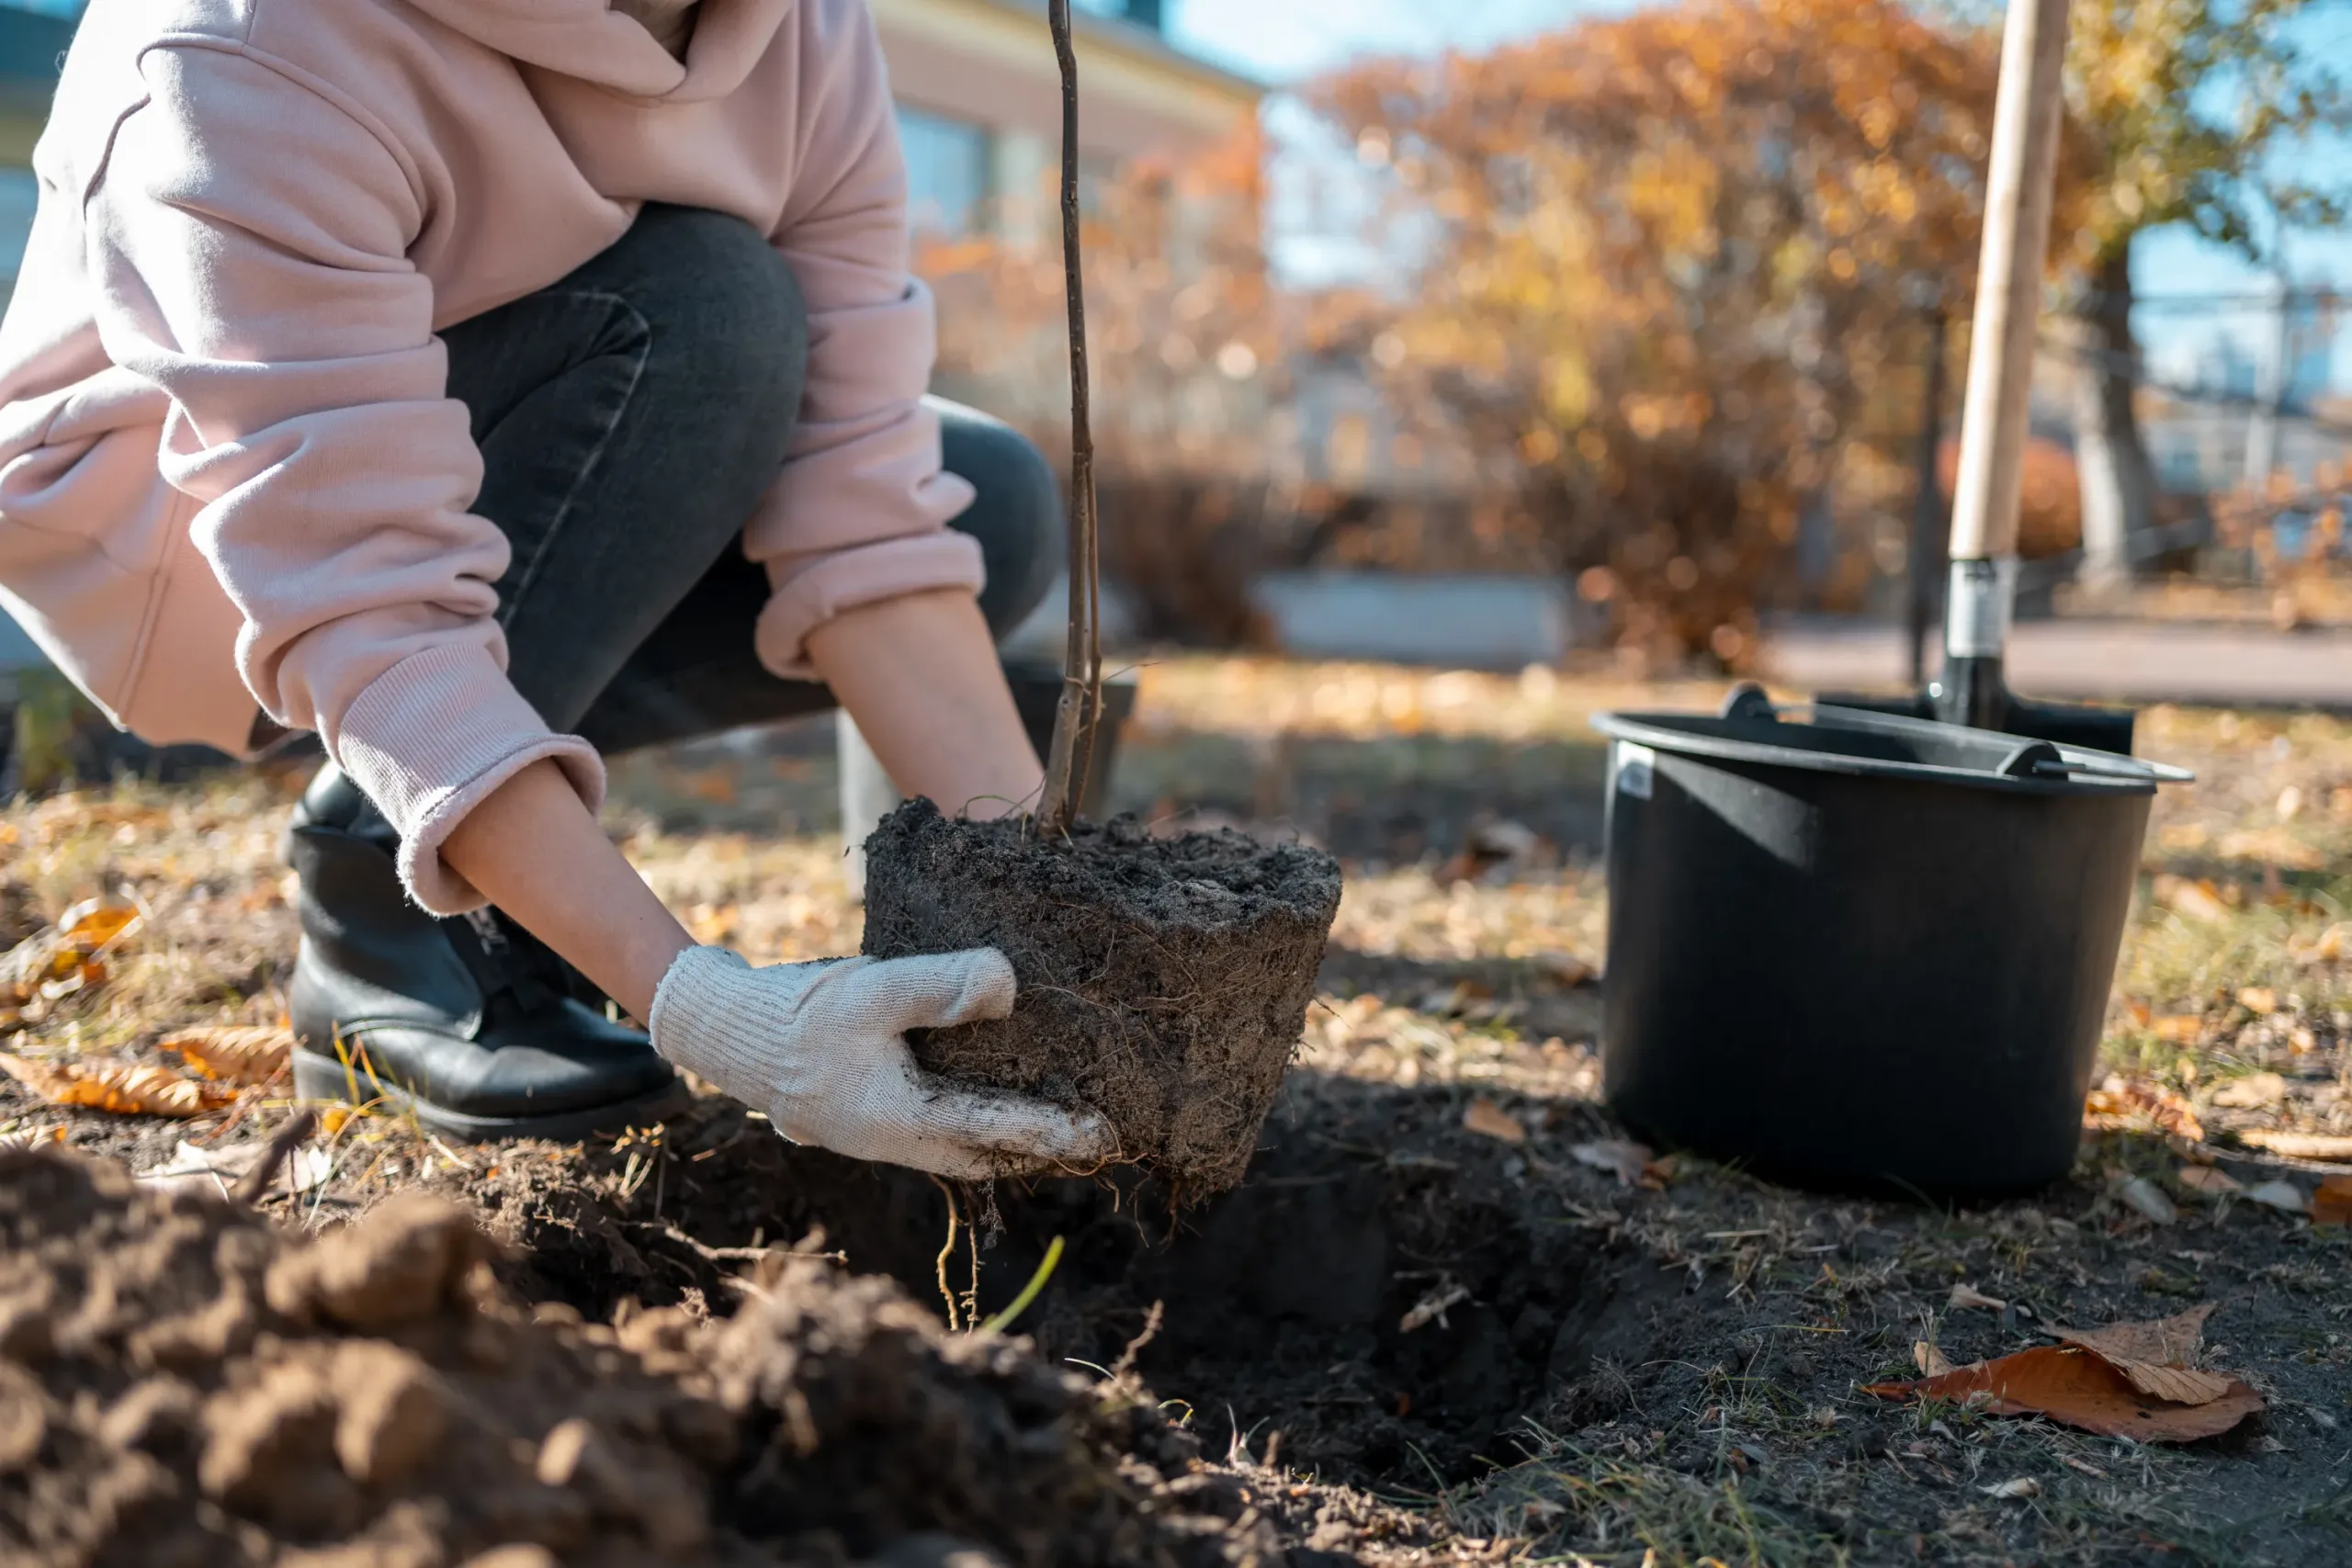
<point x="1429" y="1291"/>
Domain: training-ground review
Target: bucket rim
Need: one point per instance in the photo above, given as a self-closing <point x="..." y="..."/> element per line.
<point x="1664" y="731"/>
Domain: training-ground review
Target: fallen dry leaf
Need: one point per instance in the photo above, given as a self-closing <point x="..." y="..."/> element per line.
<point x="2016" y="1486"/>
<point x="2260" y="1001"/>
<point x="1433" y="1308"/>
<point x="2144" y="1198"/>
<point x="1930" y="1361"/>
<point x="1490" y="847"/>
<point x="2270" y="846"/>
<point x="2207" y="1179"/>
<point x="236" y="1054"/>
<point x="2198" y="900"/>
<point x="55" y="964"/>
<point x="2075" y="1388"/>
<point x="2332" y="1204"/>
<point x="2298" y="1146"/>
<point x="96" y="922"/>
<point x="1620" y="1157"/>
<point x="145" y="1090"/>
<point x="2178" y="1029"/>
<point x="195" y="1169"/>
<point x="2284" y="1196"/>
<point x="1565" y="968"/>
<point x="2116" y="1105"/>
<point x="2153" y="1356"/>
<point x="1964" y="1296"/>
<point x="2251" y="1092"/>
<point x="1490" y="1120"/>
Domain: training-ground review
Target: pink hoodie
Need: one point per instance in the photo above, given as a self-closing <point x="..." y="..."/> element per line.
<point x="230" y="469"/>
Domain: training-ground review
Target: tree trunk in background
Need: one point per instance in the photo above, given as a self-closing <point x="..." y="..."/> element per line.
<point x="2119" y="483"/>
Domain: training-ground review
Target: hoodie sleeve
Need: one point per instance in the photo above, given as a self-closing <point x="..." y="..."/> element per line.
<point x="859" y="512"/>
<point x="269" y="295"/>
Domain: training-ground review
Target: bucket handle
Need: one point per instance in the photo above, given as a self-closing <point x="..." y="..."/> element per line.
<point x="1749" y="701"/>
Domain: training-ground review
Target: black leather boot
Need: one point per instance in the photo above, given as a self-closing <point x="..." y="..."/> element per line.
<point x="467" y="1018"/>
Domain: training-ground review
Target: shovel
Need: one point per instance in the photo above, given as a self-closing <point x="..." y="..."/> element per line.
<point x="1972" y="689"/>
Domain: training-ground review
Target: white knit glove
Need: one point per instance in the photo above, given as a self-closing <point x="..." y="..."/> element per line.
<point x="821" y="1048"/>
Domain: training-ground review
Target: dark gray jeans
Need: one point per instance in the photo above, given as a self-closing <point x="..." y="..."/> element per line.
<point x="629" y="416"/>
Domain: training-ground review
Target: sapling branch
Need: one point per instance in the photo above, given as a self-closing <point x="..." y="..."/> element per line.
<point x="1080" y="709"/>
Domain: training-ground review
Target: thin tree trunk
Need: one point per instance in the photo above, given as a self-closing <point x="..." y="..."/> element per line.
<point x="2119" y="483"/>
<point x="1078" y="713"/>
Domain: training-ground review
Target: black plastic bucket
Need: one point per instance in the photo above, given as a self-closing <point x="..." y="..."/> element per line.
<point x="1864" y="949"/>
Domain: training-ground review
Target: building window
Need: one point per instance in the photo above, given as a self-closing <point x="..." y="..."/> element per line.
<point x="947" y="172"/>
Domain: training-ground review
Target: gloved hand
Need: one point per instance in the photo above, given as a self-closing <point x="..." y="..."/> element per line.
<point x="821" y="1048"/>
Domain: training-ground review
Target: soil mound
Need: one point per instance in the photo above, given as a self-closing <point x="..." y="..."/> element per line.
<point x="182" y="1385"/>
<point x="1163" y="981"/>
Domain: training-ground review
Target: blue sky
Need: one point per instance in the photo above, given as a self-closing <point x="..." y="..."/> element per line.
<point x="1280" y="41"/>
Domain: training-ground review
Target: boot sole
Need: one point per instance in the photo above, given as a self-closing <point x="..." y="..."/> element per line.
<point x="324" y="1078"/>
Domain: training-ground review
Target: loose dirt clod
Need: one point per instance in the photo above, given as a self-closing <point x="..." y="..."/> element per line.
<point x="182" y="1385"/>
<point x="1163" y="981"/>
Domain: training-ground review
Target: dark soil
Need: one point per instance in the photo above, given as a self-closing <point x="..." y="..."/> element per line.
<point x="1280" y="1304"/>
<point x="1665" y="1372"/>
<point x="182" y="1383"/>
<point x="1163" y="981"/>
<point x="1683" y="1361"/>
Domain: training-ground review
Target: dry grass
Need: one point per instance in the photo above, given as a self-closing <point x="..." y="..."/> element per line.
<point x="1752" y="1449"/>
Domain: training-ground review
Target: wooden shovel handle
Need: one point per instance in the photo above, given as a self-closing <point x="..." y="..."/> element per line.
<point x="2026" y="121"/>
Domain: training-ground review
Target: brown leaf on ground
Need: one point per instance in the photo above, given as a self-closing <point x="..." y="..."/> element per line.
<point x="2207" y="1179"/>
<point x="1433" y="1308"/>
<point x="2251" y="1092"/>
<point x="53" y="965"/>
<point x="2328" y="949"/>
<point x="2260" y="1001"/>
<point x="2198" y="900"/>
<point x="2283" y="1196"/>
<point x="236" y="1054"/>
<point x="2118" y="1106"/>
<point x="2153" y="1356"/>
<point x="2173" y="1338"/>
<point x="2178" y="1029"/>
<point x="146" y="1091"/>
<point x="1490" y="1120"/>
<point x="2270" y="846"/>
<point x="2332" y="1204"/>
<point x="1620" y="1157"/>
<point x="1931" y="1361"/>
<point x="1490" y="847"/>
<point x="96" y="922"/>
<point x="2075" y="1388"/>
<point x="1565" y="968"/>
<point x="2298" y="1146"/>
<point x="2144" y="1198"/>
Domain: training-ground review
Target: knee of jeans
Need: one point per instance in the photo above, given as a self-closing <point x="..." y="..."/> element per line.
<point x="736" y="314"/>
<point x="1016" y="516"/>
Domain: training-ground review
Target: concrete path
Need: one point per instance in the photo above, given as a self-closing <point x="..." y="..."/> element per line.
<point x="2123" y="661"/>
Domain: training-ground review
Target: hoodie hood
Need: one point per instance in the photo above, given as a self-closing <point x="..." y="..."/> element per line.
<point x="587" y="39"/>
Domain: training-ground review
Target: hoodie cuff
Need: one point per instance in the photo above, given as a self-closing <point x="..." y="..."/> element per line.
<point x="433" y="736"/>
<point x="812" y="591"/>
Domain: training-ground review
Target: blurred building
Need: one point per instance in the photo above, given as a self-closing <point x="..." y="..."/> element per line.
<point x="980" y="101"/>
<point x="979" y="113"/>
